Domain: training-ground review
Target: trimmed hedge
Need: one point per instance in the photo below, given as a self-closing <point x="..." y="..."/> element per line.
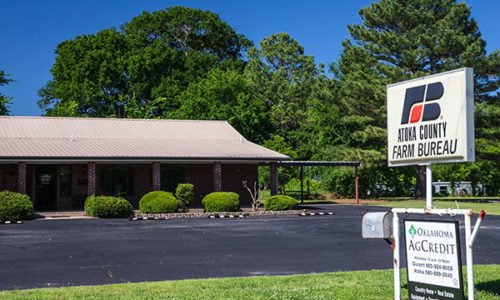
<point x="221" y="201"/>
<point x="108" y="207"/>
<point x="281" y="202"/>
<point x="15" y="207"/>
<point x="158" y="202"/>
<point x="184" y="194"/>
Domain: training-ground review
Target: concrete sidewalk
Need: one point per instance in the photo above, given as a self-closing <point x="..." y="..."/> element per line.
<point x="61" y="215"/>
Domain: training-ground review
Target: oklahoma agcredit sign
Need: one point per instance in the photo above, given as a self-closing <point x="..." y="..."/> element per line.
<point x="434" y="266"/>
<point x="431" y="119"/>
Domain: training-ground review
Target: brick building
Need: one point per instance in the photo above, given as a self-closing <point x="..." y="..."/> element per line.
<point x="60" y="161"/>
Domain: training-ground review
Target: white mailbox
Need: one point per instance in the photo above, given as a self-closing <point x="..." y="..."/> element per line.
<point x="377" y="225"/>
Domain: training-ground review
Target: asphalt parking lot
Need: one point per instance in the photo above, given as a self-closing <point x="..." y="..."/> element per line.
<point x="52" y="253"/>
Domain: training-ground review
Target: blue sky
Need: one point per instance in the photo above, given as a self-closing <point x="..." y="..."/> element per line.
<point x="31" y="30"/>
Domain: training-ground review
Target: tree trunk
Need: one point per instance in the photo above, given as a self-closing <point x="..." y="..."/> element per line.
<point x="420" y="192"/>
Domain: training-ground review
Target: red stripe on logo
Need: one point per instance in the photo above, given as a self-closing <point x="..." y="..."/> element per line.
<point x="416" y="113"/>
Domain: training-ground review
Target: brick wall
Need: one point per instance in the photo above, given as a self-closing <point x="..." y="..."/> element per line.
<point x="21" y="177"/>
<point x="217" y="178"/>
<point x="10" y="177"/>
<point x="201" y="176"/>
<point x="156" y="176"/>
<point x="142" y="182"/>
<point x="92" y="178"/>
<point x="233" y="177"/>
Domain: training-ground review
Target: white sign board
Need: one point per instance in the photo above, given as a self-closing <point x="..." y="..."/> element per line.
<point x="431" y="119"/>
<point x="433" y="259"/>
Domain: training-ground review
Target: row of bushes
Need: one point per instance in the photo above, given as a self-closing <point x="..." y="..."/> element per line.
<point x="14" y="206"/>
<point x="165" y="202"/>
<point x="227" y="201"/>
<point x="152" y="202"/>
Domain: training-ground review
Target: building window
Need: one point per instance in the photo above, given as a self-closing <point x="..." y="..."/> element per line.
<point x="116" y="180"/>
<point x="65" y="176"/>
<point x="171" y="176"/>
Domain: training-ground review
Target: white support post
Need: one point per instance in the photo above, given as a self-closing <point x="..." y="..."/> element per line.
<point x="428" y="186"/>
<point x="396" y="262"/>
<point x="470" y="262"/>
<point x="476" y="228"/>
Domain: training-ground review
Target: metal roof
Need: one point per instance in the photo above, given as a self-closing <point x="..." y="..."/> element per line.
<point x="321" y="163"/>
<point x="92" y="138"/>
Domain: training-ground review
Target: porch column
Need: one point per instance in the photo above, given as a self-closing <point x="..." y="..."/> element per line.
<point x="274" y="178"/>
<point x="217" y="177"/>
<point x="21" y="177"/>
<point x="156" y="176"/>
<point x="91" y="178"/>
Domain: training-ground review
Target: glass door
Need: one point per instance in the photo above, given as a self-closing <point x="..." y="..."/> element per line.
<point x="46" y="187"/>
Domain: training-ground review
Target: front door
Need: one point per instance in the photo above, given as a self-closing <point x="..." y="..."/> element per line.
<point x="46" y="187"/>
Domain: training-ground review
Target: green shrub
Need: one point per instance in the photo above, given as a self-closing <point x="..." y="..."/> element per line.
<point x="14" y="207"/>
<point x="315" y="187"/>
<point x="221" y="201"/>
<point x="280" y="202"/>
<point x="158" y="202"/>
<point x="89" y="204"/>
<point x="184" y="194"/>
<point x="108" y="207"/>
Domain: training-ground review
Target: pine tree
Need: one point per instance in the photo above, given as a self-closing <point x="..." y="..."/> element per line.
<point x="283" y="77"/>
<point x="404" y="39"/>
<point x="4" y="100"/>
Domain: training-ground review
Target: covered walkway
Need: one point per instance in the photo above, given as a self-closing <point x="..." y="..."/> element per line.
<point x="311" y="163"/>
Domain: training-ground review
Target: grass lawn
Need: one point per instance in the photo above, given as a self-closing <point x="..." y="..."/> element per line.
<point x="490" y="208"/>
<point x="341" y="285"/>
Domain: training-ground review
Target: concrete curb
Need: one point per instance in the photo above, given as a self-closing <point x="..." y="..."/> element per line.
<point x="329" y="213"/>
<point x="11" y="222"/>
<point x="214" y="215"/>
<point x="224" y="215"/>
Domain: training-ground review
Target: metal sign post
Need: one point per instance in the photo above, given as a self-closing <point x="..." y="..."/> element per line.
<point x="428" y="186"/>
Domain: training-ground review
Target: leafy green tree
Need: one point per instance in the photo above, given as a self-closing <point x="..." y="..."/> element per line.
<point x="142" y="68"/>
<point x="400" y="40"/>
<point x="185" y="30"/>
<point x="4" y="100"/>
<point x="226" y="95"/>
<point x="89" y="71"/>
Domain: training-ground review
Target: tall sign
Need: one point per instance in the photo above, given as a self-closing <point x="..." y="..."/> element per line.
<point x="431" y="119"/>
<point x="434" y="265"/>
